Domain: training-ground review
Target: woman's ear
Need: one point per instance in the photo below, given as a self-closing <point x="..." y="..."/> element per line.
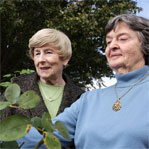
<point x="65" y="61"/>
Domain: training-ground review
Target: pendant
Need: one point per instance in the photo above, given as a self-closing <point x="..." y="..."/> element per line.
<point x="117" y="105"/>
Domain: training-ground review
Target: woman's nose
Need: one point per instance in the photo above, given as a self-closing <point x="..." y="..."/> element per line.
<point x="42" y="58"/>
<point x="114" y="45"/>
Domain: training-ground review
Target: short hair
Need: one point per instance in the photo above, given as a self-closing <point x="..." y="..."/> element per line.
<point x="136" y="23"/>
<point x="51" y="36"/>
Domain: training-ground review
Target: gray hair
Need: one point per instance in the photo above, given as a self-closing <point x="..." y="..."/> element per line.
<point x="48" y="36"/>
<point x="136" y="23"/>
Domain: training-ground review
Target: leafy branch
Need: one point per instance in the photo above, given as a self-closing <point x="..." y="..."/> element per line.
<point x="17" y="126"/>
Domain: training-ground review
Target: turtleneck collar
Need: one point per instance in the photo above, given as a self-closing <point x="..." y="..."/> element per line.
<point x="131" y="77"/>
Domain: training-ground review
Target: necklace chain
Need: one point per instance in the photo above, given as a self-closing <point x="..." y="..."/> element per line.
<point x="52" y="97"/>
<point x="117" y="104"/>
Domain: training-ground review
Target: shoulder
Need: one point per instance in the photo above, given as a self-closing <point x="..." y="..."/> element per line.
<point x="27" y="81"/>
<point x="98" y="93"/>
<point x="71" y="92"/>
<point x="70" y="86"/>
<point x="25" y="77"/>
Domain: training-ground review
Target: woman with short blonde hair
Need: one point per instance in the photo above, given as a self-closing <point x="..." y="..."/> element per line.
<point x="47" y="36"/>
<point x="50" y="49"/>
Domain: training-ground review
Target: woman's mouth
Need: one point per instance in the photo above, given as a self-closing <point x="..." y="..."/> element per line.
<point x="115" y="56"/>
<point x="44" y="68"/>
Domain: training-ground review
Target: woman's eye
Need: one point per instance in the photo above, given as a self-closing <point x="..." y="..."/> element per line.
<point x="123" y="38"/>
<point x="37" y="53"/>
<point x="49" y="52"/>
<point x="108" y="42"/>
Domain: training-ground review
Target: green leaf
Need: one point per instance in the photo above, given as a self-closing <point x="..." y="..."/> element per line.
<point x="3" y="105"/>
<point x="5" y="84"/>
<point x="28" y="100"/>
<point x="17" y="71"/>
<point x="62" y="129"/>
<point x="36" y="122"/>
<point x="12" y="93"/>
<point x="7" y="75"/>
<point x="46" y="122"/>
<point x="26" y="71"/>
<point x="9" y="144"/>
<point x="14" y="127"/>
<point x="50" y="141"/>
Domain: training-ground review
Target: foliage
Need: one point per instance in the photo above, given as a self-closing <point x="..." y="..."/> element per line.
<point x="9" y="144"/>
<point x="82" y="20"/>
<point x="17" y="126"/>
<point x="8" y="77"/>
<point x="14" y="127"/>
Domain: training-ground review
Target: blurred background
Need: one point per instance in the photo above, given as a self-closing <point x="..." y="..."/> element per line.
<point x="82" y="20"/>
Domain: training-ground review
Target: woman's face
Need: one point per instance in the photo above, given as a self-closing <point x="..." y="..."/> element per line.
<point x="123" y="49"/>
<point x="48" y="64"/>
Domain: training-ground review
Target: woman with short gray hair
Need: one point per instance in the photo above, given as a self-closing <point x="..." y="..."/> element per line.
<point x="138" y="24"/>
<point x="116" y="117"/>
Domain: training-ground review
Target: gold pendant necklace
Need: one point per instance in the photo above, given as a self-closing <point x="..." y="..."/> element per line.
<point x="117" y="105"/>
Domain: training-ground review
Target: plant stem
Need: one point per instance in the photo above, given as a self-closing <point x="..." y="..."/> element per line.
<point x="21" y="145"/>
<point x="39" y="144"/>
<point x="11" y="106"/>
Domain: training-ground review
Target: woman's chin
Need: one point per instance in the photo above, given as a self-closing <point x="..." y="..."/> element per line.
<point x="44" y="77"/>
<point x="116" y="66"/>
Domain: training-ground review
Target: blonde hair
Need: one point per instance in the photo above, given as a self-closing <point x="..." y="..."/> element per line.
<point x="51" y="36"/>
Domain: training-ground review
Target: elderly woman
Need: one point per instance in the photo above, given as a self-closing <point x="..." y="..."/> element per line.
<point x="116" y="116"/>
<point x="51" y="51"/>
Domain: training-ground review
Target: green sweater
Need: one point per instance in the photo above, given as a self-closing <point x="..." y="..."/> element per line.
<point x="52" y="96"/>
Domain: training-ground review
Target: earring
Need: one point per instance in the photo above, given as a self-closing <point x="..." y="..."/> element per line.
<point x="65" y="66"/>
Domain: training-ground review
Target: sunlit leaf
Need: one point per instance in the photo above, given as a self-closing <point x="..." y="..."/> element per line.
<point x="62" y="129"/>
<point x="12" y="93"/>
<point x="26" y="71"/>
<point x="50" y="141"/>
<point x="5" y="84"/>
<point x="14" y="127"/>
<point x="7" y="75"/>
<point x="28" y="100"/>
